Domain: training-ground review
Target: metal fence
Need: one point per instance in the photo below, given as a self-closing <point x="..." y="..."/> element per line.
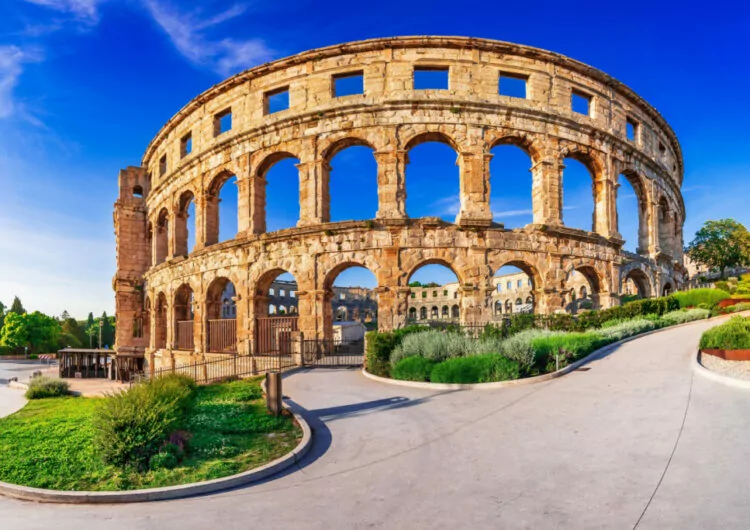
<point x="222" y="335"/>
<point x="317" y="352"/>
<point x="185" y="335"/>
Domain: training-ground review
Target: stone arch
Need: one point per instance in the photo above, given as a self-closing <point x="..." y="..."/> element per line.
<point x="667" y="288"/>
<point x="270" y="160"/>
<point x="423" y="313"/>
<point x="162" y="236"/>
<point x="333" y="180"/>
<point x="532" y="145"/>
<point x="220" y="316"/>
<point x="182" y="317"/>
<point x="426" y="135"/>
<point x="596" y="168"/>
<point x="579" y="274"/>
<point x="265" y="195"/>
<point x="160" y="321"/>
<point x="641" y="277"/>
<point x="332" y="306"/>
<point x="638" y="183"/>
<point x="181" y="218"/>
<point x="412" y="313"/>
<point x="412" y="268"/>
<point x="511" y="188"/>
<point x="211" y="204"/>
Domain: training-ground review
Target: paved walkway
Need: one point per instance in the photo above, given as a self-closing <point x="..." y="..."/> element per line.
<point x="634" y="440"/>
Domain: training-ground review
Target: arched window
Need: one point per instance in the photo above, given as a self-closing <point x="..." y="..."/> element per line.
<point x="517" y="275"/>
<point x="162" y="237"/>
<point x="498" y="307"/>
<point x="432" y="178"/>
<point x="412" y="313"/>
<point x="220" y="316"/>
<point x="455" y="311"/>
<point x="510" y="186"/>
<point x="508" y="306"/>
<point x="578" y="196"/>
<point x="221" y="210"/>
<point x="282" y="192"/>
<point x="423" y="313"/>
<point x="160" y="338"/>
<point x="353" y="173"/>
<point x="445" y="312"/>
<point x="631" y="213"/>
<point x="183" y="318"/>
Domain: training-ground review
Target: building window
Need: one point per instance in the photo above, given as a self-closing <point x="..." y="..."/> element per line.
<point x="137" y="192"/>
<point x="434" y="294"/>
<point x="499" y="287"/>
<point x="519" y="283"/>
<point x="580" y="103"/>
<point x="276" y="100"/>
<point x="631" y="129"/>
<point x="512" y="85"/>
<point x="293" y="294"/>
<point x="424" y="294"/>
<point x="509" y="286"/>
<point x="271" y="292"/>
<point x="186" y="145"/>
<point x="281" y="292"/>
<point x="445" y="293"/>
<point x="342" y="296"/>
<point x="223" y="122"/>
<point x="413" y="295"/>
<point x="162" y="165"/>
<point x="349" y="84"/>
<point x="431" y="78"/>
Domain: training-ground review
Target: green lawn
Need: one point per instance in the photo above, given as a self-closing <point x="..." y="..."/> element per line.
<point x="50" y="442"/>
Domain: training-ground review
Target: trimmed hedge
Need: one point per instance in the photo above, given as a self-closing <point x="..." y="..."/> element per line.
<point x="380" y="344"/>
<point x="732" y="335"/>
<point x="696" y="297"/>
<point x="475" y="369"/>
<point x="413" y="369"/>
<point x="46" y="387"/>
<point x="680" y="317"/>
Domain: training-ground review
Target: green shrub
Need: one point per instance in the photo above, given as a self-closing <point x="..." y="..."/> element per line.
<point x="680" y="317"/>
<point x="519" y="348"/>
<point x="694" y="297"/>
<point x="413" y="369"/>
<point x="438" y="346"/>
<point x="624" y="329"/>
<point x="380" y="345"/>
<point x="724" y="286"/>
<point x="732" y="335"/>
<point x="162" y="460"/>
<point x="475" y="369"/>
<point x="567" y="347"/>
<point x="736" y="308"/>
<point x="46" y="387"/>
<point x="132" y="425"/>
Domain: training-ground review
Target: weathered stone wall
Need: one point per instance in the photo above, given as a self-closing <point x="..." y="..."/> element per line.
<point x="391" y="118"/>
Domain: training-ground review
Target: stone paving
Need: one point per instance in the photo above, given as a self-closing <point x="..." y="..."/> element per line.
<point x="635" y="440"/>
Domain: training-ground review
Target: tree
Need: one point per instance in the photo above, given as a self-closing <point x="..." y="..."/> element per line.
<point x="17" y="307"/>
<point x="107" y="332"/>
<point x="720" y="245"/>
<point x="90" y="320"/>
<point x="2" y="315"/>
<point x="93" y="332"/>
<point x="36" y="331"/>
<point x="415" y="284"/>
<point x="65" y="315"/>
<point x="73" y="334"/>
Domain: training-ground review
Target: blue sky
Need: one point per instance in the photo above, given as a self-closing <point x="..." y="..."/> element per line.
<point x="85" y="84"/>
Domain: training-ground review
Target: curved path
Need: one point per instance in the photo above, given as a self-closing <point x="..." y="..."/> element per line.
<point x="632" y="440"/>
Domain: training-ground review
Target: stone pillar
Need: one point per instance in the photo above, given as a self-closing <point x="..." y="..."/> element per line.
<point x="474" y="189"/>
<point x="198" y="314"/>
<point x="169" y="321"/>
<point x="210" y="220"/>
<point x="307" y="305"/>
<point x="391" y="184"/>
<point x="473" y="299"/>
<point x="314" y="199"/>
<point x="605" y="207"/>
<point x="180" y="234"/>
<point x="200" y="221"/>
<point x="257" y="307"/>
<point x="152" y="323"/>
<point x="243" y="333"/>
<point x="257" y="205"/>
<point x="653" y="221"/>
<point x="243" y="206"/>
<point x="546" y="192"/>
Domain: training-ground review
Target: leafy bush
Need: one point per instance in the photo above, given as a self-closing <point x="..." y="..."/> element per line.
<point x="724" y="286"/>
<point x="162" y="460"/>
<point x="46" y="387"/>
<point x="475" y="369"/>
<point x="132" y="425"/>
<point x="413" y="369"/>
<point x="680" y="317"/>
<point x="732" y="335"/>
<point x="694" y="297"/>
<point x="519" y="348"/>
<point x="567" y="346"/>
<point x="736" y="308"/>
<point x="380" y="345"/>
<point x="623" y="329"/>
<point x="438" y="346"/>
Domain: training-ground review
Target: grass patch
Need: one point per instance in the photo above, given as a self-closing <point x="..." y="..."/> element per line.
<point x="51" y="443"/>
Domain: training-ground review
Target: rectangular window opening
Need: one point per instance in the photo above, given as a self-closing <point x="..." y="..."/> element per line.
<point x="186" y="145"/>
<point x="580" y="103"/>
<point x="349" y="84"/>
<point x="513" y="85"/>
<point x="223" y="122"/>
<point x="276" y="100"/>
<point x="631" y="129"/>
<point x="662" y="148"/>
<point x="431" y="78"/>
<point x="162" y="165"/>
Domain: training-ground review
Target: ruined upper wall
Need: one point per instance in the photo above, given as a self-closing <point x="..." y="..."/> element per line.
<point x="388" y="64"/>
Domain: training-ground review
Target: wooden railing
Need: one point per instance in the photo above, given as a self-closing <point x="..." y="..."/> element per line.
<point x="185" y="335"/>
<point x="222" y="335"/>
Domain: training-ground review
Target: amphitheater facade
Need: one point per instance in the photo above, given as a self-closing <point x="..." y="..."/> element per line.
<point x="165" y="293"/>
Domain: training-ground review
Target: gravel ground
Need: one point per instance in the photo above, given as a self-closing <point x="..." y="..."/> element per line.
<point x="736" y="369"/>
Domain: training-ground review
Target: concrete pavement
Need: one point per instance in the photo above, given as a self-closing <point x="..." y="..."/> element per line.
<point x="631" y="440"/>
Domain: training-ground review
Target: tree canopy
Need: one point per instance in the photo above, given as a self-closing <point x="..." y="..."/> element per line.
<point x="720" y="245"/>
<point x="36" y="331"/>
<point x="17" y="307"/>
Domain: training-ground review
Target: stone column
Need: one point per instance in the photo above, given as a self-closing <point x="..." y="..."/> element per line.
<point x="200" y="221"/>
<point x="257" y="307"/>
<point x="605" y="207"/>
<point x="473" y="299"/>
<point x="198" y="313"/>
<point x="314" y="199"/>
<point x="243" y="206"/>
<point x="551" y="300"/>
<point x="180" y="234"/>
<point x="210" y="220"/>
<point x="474" y="189"/>
<point x="243" y="333"/>
<point x="653" y="224"/>
<point x="546" y="192"/>
<point x="391" y="184"/>
<point x="307" y="305"/>
<point x="257" y="205"/>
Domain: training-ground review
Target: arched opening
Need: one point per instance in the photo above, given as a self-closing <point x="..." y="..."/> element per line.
<point x="498" y="308"/>
<point x="632" y="213"/>
<point x="578" y="196"/>
<point x="221" y="216"/>
<point x="352" y="290"/>
<point x="583" y="287"/>
<point x="510" y="186"/>
<point x="221" y="316"/>
<point x="276" y="308"/>
<point x="412" y="313"/>
<point x="182" y="312"/>
<point x="272" y="309"/>
<point x="160" y="337"/>
<point x="433" y="285"/>
<point x="143" y="325"/>
<point x="184" y="235"/>
<point x="667" y="290"/>
<point x="353" y="181"/>
<point x="512" y="282"/>
<point x="138" y="192"/>
<point x="432" y="177"/>
<point x="666" y="228"/>
<point x="162" y="237"/>
<point x="636" y="285"/>
<point x="455" y="312"/>
<point x="282" y="192"/>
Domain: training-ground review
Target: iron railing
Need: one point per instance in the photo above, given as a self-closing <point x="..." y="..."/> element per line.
<point x="185" y="335"/>
<point x="222" y="335"/>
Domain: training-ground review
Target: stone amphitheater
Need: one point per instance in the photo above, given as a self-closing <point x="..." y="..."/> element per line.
<point x="169" y="299"/>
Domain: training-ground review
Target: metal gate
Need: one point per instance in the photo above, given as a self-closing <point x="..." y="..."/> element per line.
<point x="321" y="352"/>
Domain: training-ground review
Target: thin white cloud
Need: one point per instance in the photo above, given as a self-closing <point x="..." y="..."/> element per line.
<point x="84" y="10"/>
<point x="512" y="213"/>
<point x="12" y="59"/>
<point x="188" y="32"/>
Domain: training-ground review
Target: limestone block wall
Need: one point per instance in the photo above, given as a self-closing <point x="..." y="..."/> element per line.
<point x="391" y="117"/>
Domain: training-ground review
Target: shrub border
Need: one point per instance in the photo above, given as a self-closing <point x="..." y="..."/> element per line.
<point x="170" y="492"/>
<point x="717" y="377"/>
<point x="539" y="378"/>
